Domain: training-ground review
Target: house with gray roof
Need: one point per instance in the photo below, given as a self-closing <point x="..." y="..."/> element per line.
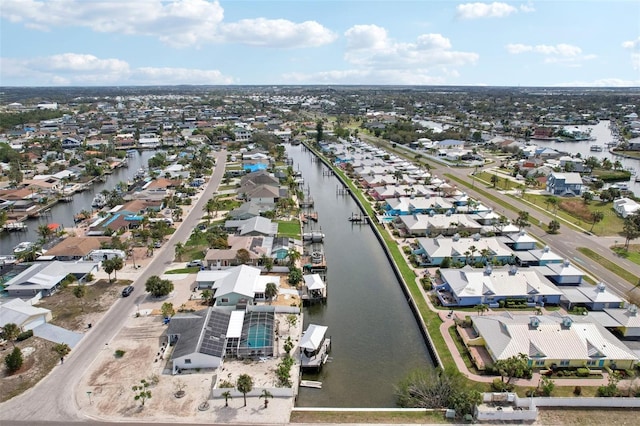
<point x="594" y="298"/>
<point x="552" y="341"/>
<point x="253" y="227"/>
<point x="432" y="225"/>
<point x="565" y="184"/>
<point x="238" y="286"/>
<point x="23" y="314"/>
<point x="432" y="251"/>
<point x="45" y="278"/>
<point x="472" y="286"/>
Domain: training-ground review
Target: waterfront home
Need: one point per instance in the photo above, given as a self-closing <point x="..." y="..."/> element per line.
<point x="625" y="207"/>
<point x="472" y="286"/>
<point x="552" y="341"/>
<point x="23" y="314"/>
<point x="240" y="285"/>
<point x="202" y="339"/>
<point x="395" y="191"/>
<point x="250" y="209"/>
<point x="76" y="248"/>
<point x="594" y="298"/>
<point x="118" y="221"/>
<point x="256" y="247"/>
<point x="256" y="226"/>
<point x="314" y="347"/>
<point x="420" y="225"/>
<point x="417" y="205"/>
<point x="565" y="184"/>
<point x="45" y="278"/>
<point x="432" y="251"/>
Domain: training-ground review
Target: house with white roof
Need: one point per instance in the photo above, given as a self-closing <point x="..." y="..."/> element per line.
<point x="565" y="184"/>
<point x="469" y="287"/>
<point x="433" y="225"/>
<point x="625" y="207"/>
<point x="538" y="257"/>
<point x="254" y="226"/>
<point x="626" y="321"/>
<point x="563" y="274"/>
<point x="520" y="241"/>
<point x="46" y="278"/>
<point x="416" y="205"/>
<point x="238" y="286"/>
<point x="23" y="314"/>
<point x="552" y="341"/>
<point x="432" y="251"/>
<point x="594" y="298"/>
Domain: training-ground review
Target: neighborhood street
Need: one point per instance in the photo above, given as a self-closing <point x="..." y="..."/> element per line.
<point x="54" y="398"/>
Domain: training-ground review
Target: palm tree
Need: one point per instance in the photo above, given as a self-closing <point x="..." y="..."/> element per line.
<point x="596" y="217"/>
<point x="45" y="232"/>
<point x="293" y="255"/>
<point x="244" y="384"/>
<point x="11" y="332"/>
<point x="80" y="291"/>
<point x="271" y="291"/>
<point x="118" y="264"/>
<point x="180" y="250"/>
<point x="266" y="395"/>
<point x="227" y="396"/>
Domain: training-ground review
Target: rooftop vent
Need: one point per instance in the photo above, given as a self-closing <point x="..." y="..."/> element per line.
<point x="488" y="270"/>
<point x="566" y="322"/>
<point x="601" y="287"/>
<point x="513" y="269"/>
<point x="534" y="322"/>
<point x="633" y="310"/>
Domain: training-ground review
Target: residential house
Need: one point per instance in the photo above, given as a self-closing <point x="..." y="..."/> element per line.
<point x="256" y="226"/>
<point x="470" y="287"/>
<point x="417" y="205"/>
<point x="432" y="251"/>
<point x="256" y="247"/>
<point x="76" y="248"/>
<point x="563" y="273"/>
<point x="552" y="341"/>
<point x="23" y="314"/>
<point x="538" y="257"/>
<point x="594" y="298"/>
<point x="419" y="225"/>
<point x="626" y="321"/>
<point x="626" y="207"/>
<point x="520" y="241"/>
<point x="565" y="184"/>
<point x="250" y="209"/>
<point x="45" y="279"/>
<point x="237" y="286"/>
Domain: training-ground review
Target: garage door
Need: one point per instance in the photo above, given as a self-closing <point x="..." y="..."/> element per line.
<point x="34" y="323"/>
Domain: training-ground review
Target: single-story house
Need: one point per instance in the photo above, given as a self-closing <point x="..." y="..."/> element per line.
<point x="255" y="226"/>
<point x="552" y="341"/>
<point x="433" y="225"/>
<point x="238" y="286"/>
<point x="626" y="206"/>
<point x="23" y="314"/>
<point x="469" y="287"/>
<point x="594" y="298"/>
<point x="46" y="278"/>
<point x="466" y="250"/>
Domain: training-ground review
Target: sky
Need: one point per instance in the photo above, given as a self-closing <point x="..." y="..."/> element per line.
<point x="310" y="42"/>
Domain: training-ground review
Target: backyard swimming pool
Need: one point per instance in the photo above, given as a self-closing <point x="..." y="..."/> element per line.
<point x="259" y="336"/>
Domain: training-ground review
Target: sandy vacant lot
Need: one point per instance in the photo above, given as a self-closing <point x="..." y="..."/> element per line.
<point x="110" y="378"/>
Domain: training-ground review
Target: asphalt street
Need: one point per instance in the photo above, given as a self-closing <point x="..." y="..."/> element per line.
<point x="54" y="398"/>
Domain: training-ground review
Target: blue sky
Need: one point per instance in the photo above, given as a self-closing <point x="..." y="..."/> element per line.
<point x="149" y="42"/>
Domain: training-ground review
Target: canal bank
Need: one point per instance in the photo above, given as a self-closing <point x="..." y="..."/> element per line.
<point x="396" y="269"/>
<point x="376" y="341"/>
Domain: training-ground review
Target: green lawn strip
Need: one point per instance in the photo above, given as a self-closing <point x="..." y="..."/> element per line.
<point x="462" y="349"/>
<point x="289" y="228"/>
<point x="606" y="263"/>
<point x="192" y="270"/>
<point x="633" y="254"/>
<point x="504" y="183"/>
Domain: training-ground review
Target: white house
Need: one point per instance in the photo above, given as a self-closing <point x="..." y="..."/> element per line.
<point x="625" y="206"/>
<point x="24" y="315"/>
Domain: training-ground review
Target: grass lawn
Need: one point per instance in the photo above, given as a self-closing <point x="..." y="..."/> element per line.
<point x="289" y="228"/>
<point x="501" y="184"/>
<point x="633" y="254"/>
<point x="613" y="267"/>
<point x="191" y="270"/>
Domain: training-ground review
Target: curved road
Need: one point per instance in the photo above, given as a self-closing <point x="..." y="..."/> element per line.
<point x="53" y="399"/>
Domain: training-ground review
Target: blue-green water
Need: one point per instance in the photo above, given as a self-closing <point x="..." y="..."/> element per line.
<point x="375" y="338"/>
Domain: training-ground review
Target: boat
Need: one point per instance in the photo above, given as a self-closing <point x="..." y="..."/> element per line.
<point x="99" y="201"/>
<point x="23" y="246"/>
<point x="596" y="148"/>
<point x="15" y="226"/>
<point x="314" y="347"/>
<point x="314" y="237"/>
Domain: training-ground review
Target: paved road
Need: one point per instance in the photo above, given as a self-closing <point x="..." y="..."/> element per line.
<point x="565" y="243"/>
<point x="53" y="399"/>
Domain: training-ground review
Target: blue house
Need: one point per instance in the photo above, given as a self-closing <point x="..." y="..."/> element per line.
<point x="470" y="287"/>
<point x="565" y="184"/>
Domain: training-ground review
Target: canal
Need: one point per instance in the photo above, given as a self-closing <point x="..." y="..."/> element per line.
<point x="62" y="213"/>
<point x="375" y="337"/>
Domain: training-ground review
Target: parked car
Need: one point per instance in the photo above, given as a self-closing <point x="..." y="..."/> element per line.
<point x="127" y="291"/>
<point x="193" y="263"/>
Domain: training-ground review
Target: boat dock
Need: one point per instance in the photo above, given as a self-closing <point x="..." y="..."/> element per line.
<point x="315" y="347"/>
<point x="358" y="218"/>
<point x="15" y="226"/>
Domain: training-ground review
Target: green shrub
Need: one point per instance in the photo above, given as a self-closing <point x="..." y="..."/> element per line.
<point x="426" y="283"/>
<point x="24" y="335"/>
<point x="501" y="303"/>
<point x="226" y="384"/>
<point x="119" y="353"/>
<point x="582" y="372"/>
<point x="577" y="391"/>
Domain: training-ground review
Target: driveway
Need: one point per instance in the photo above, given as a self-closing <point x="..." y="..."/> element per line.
<point x="56" y="334"/>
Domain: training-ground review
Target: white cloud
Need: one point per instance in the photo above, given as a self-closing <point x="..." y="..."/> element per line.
<point x="632" y="44"/>
<point x="562" y="53"/>
<point x="369" y="46"/>
<point x="277" y="33"/>
<point x="485" y="10"/>
<point x="178" y="23"/>
<point x="604" y="82"/>
<point x="83" y="69"/>
<point x="527" y="8"/>
<point x="371" y="76"/>
<point x="149" y="75"/>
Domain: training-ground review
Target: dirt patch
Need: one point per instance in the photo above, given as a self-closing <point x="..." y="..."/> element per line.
<point x="75" y="313"/>
<point x="577" y="208"/>
<point x="38" y="360"/>
<point x="587" y="417"/>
